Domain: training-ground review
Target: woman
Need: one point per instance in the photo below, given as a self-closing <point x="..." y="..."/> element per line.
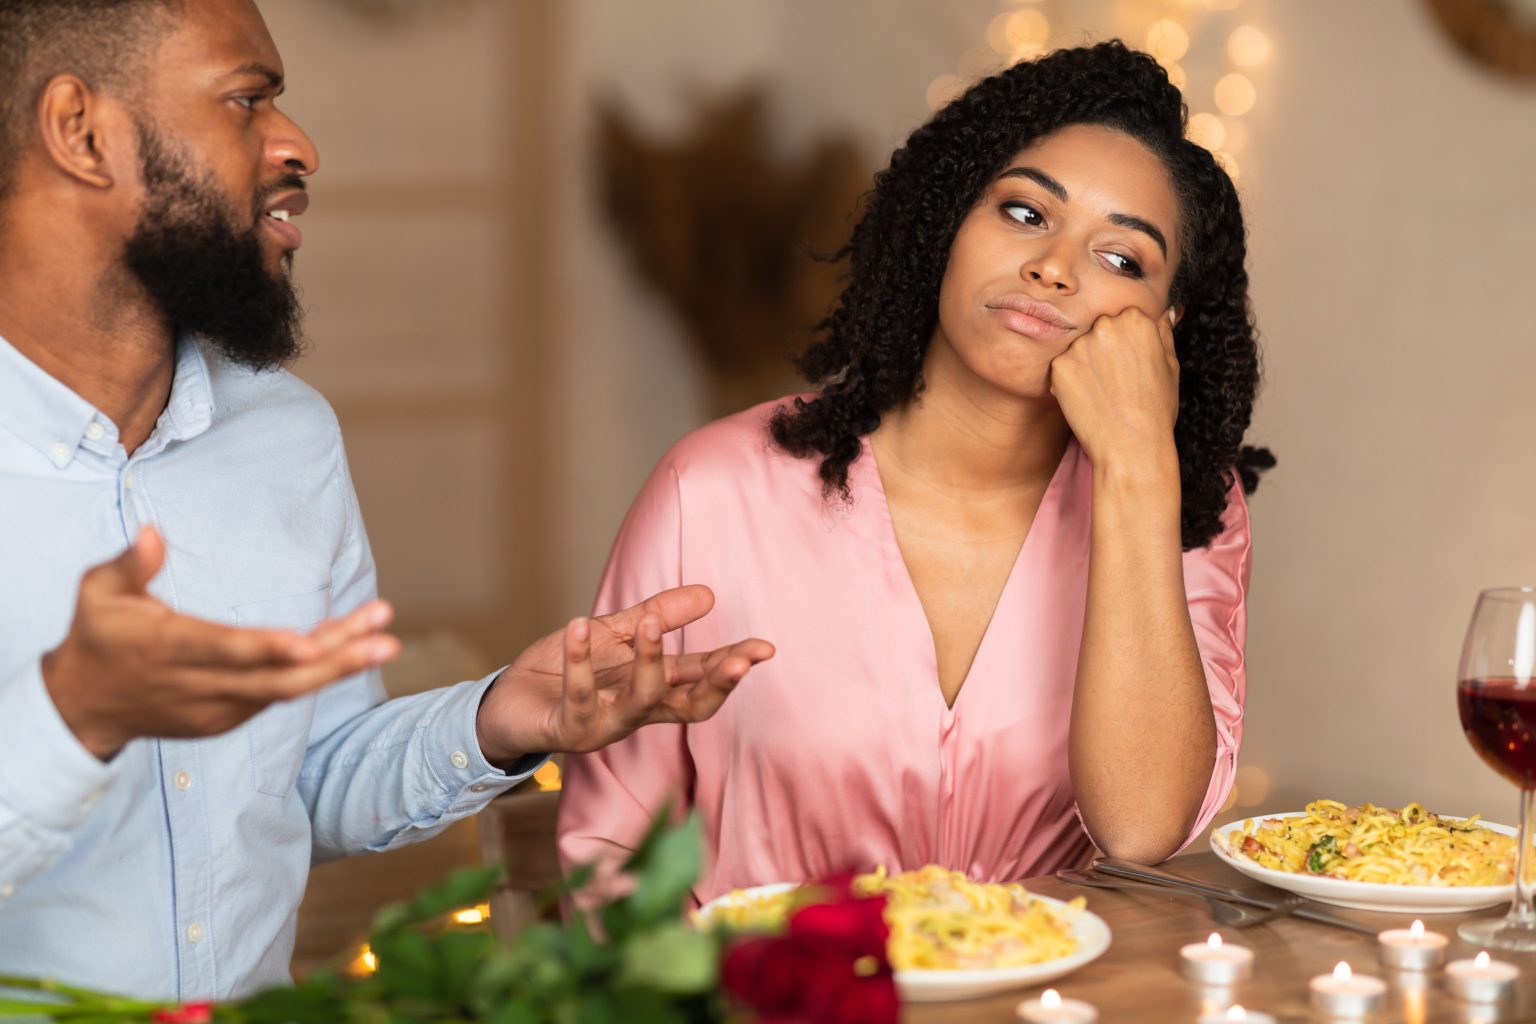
<point x="1003" y="551"/>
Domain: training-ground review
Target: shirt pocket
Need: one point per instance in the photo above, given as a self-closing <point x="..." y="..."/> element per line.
<point x="279" y="735"/>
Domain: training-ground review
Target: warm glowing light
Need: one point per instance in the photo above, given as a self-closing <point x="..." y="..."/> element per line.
<point x="1222" y="5"/>
<point x="1050" y="999"/>
<point x="472" y="915"/>
<point x="366" y="962"/>
<point x="1235" y="95"/>
<point x="1026" y="29"/>
<point x="1248" y="46"/>
<point x="1227" y="162"/>
<point x="1167" y="40"/>
<point x="1236" y="1012"/>
<point x="1177" y="75"/>
<point x="548" y="775"/>
<point x="1206" y="130"/>
<point x="1214" y="941"/>
<point x="1342" y="972"/>
<point x="940" y="91"/>
<point x="1237" y="141"/>
<point x="1416" y="929"/>
<point x="1482" y="959"/>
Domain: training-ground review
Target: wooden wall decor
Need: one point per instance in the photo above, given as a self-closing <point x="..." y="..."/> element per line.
<point x="1497" y="34"/>
<point x="725" y="230"/>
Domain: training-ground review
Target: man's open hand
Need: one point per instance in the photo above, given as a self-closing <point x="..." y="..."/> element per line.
<point x="599" y="680"/>
<point x="132" y="667"/>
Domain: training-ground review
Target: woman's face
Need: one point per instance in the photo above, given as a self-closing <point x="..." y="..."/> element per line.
<point x="1081" y="224"/>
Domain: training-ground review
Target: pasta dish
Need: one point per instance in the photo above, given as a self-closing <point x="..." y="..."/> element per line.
<point x="1409" y="846"/>
<point x="938" y="919"/>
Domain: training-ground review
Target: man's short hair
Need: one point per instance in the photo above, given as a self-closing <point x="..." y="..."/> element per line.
<point x="106" y="42"/>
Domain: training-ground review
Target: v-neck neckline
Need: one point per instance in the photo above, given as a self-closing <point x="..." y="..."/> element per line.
<point x="1050" y="501"/>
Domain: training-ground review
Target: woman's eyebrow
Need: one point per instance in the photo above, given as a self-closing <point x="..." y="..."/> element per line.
<point x="1059" y="190"/>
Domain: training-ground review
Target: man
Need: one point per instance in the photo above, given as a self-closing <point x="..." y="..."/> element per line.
<point x="182" y="733"/>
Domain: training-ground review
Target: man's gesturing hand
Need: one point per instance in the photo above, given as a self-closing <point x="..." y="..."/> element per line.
<point x="132" y="667"/>
<point x="599" y="680"/>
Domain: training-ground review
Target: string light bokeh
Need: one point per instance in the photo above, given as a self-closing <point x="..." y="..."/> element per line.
<point x="1210" y="51"/>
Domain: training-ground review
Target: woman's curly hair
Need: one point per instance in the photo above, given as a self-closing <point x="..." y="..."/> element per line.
<point x="869" y="357"/>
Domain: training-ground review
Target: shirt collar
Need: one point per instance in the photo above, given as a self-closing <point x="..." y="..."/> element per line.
<point x="40" y="410"/>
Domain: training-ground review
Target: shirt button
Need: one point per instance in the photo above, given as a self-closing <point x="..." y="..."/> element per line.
<point x="194" y="932"/>
<point x="479" y="787"/>
<point x="95" y="431"/>
<point x="61" y="451"/>
<point x="128" y="481"/>
<point x="183" y="781"/>
<point x="458" y="759"/>
<point x="90" y="799"/>
<point x="7" y="891"/>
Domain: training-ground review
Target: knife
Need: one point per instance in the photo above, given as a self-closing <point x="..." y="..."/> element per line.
<point x="1159" y="876"/>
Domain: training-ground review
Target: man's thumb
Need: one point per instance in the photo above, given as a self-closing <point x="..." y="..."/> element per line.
<point x="132" y="570"/>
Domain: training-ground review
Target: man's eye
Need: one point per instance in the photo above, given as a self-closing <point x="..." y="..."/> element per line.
<point x="1023" y="213"/>
<point x="248" y="102"/>
<point x="1123" y="264"/>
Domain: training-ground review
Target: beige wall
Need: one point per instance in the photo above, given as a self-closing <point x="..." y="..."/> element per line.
<point x="1389" y="193"/>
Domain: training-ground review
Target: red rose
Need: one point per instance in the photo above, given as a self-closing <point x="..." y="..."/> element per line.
<point x="186" y="1013"/>
<point x="766" y="973"/>
<point x="856" y="926"/>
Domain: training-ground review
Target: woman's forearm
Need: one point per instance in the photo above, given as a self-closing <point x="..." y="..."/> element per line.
<point x="1143" y="738"/>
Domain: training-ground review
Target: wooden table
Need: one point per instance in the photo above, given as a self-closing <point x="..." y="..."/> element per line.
<point x="1138" y="978"/>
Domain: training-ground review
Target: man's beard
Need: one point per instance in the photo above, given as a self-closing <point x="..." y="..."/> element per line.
<point x="205" y="274"/>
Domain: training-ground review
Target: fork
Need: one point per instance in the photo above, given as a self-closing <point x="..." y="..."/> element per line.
<point x="1232" y="915"/>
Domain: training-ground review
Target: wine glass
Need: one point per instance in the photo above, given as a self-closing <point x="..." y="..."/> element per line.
<point x="1496" y="693"/>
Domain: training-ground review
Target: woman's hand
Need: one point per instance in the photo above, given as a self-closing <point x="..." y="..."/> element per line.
<point x="1118" y="387"/>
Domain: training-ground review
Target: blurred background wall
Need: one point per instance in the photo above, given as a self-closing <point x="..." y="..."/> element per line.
<point x="506" y="379"/>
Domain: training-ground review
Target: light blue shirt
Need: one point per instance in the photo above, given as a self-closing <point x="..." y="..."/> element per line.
<point x="176" y="869"/>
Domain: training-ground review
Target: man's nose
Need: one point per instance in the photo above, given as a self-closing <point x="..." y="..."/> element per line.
<point x="291" y="150"/>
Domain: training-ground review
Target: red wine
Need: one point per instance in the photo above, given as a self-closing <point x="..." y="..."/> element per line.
<point x="1499" y="716"/>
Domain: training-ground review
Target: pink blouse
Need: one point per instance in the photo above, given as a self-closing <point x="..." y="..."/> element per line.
<point x="840" y="752"/>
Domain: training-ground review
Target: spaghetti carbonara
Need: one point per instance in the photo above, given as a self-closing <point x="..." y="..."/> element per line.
<point x="939" y="919"/>
<point x="1409" y="846"/>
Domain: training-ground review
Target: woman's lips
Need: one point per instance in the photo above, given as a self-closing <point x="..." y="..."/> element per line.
<point x="1030" y="326"/>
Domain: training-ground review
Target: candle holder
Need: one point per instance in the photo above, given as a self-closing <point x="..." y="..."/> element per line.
<point x="1216" y="964"/>
<point x="1412" y="948"/>
<point x="1051" y="1008"/>
<point x="1346" y="994"/>
<point x="1481" y="980"/>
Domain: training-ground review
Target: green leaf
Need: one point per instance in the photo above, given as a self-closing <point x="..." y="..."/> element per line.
<point x="672" y="958"/>
<point x="668" y="867"/>
<point x="516" y="1012"/>
<point x="461" y="955"/>
<point x="463" y="888"/>
<point x="305" y="1004"/>
<point x="407" y="964"/>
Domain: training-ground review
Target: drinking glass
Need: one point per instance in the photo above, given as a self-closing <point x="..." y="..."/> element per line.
<point x="1496" y="693"/>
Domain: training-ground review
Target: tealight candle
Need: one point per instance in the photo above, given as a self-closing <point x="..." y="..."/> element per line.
<point x="1345" y="993"/>
<point x="1412" y="948"/>
<point x="1238" y="1014"/>
<point x="1213" y="963"/>
<point x="1483" y="980"/>
<point x="1051" y="1008"/>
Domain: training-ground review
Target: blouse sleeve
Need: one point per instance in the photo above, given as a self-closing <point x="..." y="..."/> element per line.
<point x="610" y="796"/>
<point x="1216" y="586"/>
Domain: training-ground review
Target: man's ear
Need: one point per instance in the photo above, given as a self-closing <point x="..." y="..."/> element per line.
<point x="77" y="131"/>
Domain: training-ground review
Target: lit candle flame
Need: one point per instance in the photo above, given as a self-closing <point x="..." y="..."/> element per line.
<point x="1342" y="972"/>
<point x="1236" y="1012"/>
<point x="1416" y="929"/>
<point x="366" y="963"/>
<point x="471" y="915"/>
<point x="1214" y="941"/>
<point x="1050" y="999"/>
<point x="1482" y="959"/>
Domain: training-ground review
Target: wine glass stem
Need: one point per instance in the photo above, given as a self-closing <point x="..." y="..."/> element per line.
<point x="1521" y="912"/>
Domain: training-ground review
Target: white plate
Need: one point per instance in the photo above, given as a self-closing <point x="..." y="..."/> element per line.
<point x="1378" y="896"/>
<point x="940" y="986"/>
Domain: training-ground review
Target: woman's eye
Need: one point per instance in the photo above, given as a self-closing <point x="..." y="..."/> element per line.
<point x="1023" y="213"/>
<point x="1122" y="264"/>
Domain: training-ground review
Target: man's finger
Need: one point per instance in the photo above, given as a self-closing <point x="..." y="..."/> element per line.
<point x="184" y="640"/>
<point x="647" y="673"/>
<point x="675" y="608"/>
<point x="298" y="680"/>
<point x="370" y="618"/>
<point x="579" y="686"/>
<point x="686" y="669"/>
<point x="131" y="571"/>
